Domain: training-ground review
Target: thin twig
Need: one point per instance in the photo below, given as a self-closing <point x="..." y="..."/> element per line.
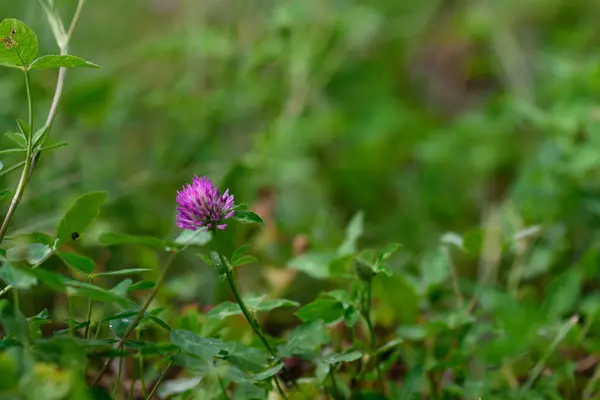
<point x="159" y="381"/>
<point x="138" y="317"/>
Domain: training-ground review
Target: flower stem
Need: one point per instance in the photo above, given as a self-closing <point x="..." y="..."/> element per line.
<point x="139" y="315"/>
<point x="159" y="381"/>
<point x="367" y="316"/>
<point x="251" y="320"/>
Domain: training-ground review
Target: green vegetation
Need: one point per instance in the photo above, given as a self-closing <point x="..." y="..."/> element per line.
<point x="417" y="191"/>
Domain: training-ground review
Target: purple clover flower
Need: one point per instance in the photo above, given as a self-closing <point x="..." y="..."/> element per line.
<point x="200" y="204"/>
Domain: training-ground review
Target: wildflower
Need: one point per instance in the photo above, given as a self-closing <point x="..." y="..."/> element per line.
<point x="200" y="204"/>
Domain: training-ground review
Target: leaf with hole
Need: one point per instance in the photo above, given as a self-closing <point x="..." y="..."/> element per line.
<point x="18" y="44"/>
<point x="81" y="263"/>
<point x="61" y="60"/>
<point x="80" y="215"/>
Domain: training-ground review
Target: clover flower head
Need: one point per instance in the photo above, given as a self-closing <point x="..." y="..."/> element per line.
<point x="200" y="204"/>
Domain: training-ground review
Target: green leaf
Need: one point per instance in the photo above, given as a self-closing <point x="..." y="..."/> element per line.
<point x="238" y="258"/>
<point x="18" y="44"/>
<point x="78" y="262"/>
<point x="239" y="252"/>
<point x="353" y="232"/>
<point x="224" y="310"/>
<point x="141" y="285"/>
<point x="14" y="323"/>
<point x="33" y="237"/>
<point x="18" y="138"/>
<point x="57" y="61"/>
<point x="40" y="136"/>
<point x="83" y="211"/>
<point x="268" y="373"/>
<point x="247" y="217"/>
<point x="159" y="322"/>
<point x="51" y="279"/>
<point x="15" y="150"/>
<point x="53" y="146"/>
<point x="97" y="293"/>
<point x="323" y="309"/>
<point x="388" y="251"/>
<point x="347" y="356"/>
<point x="32" y="253"/>
<point x="269" y="305"/>
<point x="35" y="322"/>
<point x="6" y="194"/>
<point x="248" y="358"/>
<point x="562" y="294"/>
<point x="118" y="238"/>
<point x="244" y="260"/>
<point x="23" y="127"/>
<point x="314" y="264"/>
<point x="17" y="278"/>
<point x="122" y="287"/>
<point x="305" y="340"/>
<point x="188" y="237"/>
<point x="11" y="168"/>
<point x="189" y="342"/>
<point x="123" y="272"/>
<point x="435" y="268"/>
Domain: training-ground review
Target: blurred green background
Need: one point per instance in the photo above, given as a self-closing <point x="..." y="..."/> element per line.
<point x="475" y="117"/>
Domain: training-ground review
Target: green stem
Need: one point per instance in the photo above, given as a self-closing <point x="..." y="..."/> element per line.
<point x="140" y="357"/>
<point x="89" y="313"/>
<point x="334" y="385"/>
<point x="26" y="169"/>
<point x="251" y="320"/>
<point x="71" y="316"/>
<point x="139" y="315"/>
<point x="159" y="381"/>
<point x="99" y="322"/>
<point x="32" y="156"/>
<point x="367" y="315"/>
<point x="119" y="373"/>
